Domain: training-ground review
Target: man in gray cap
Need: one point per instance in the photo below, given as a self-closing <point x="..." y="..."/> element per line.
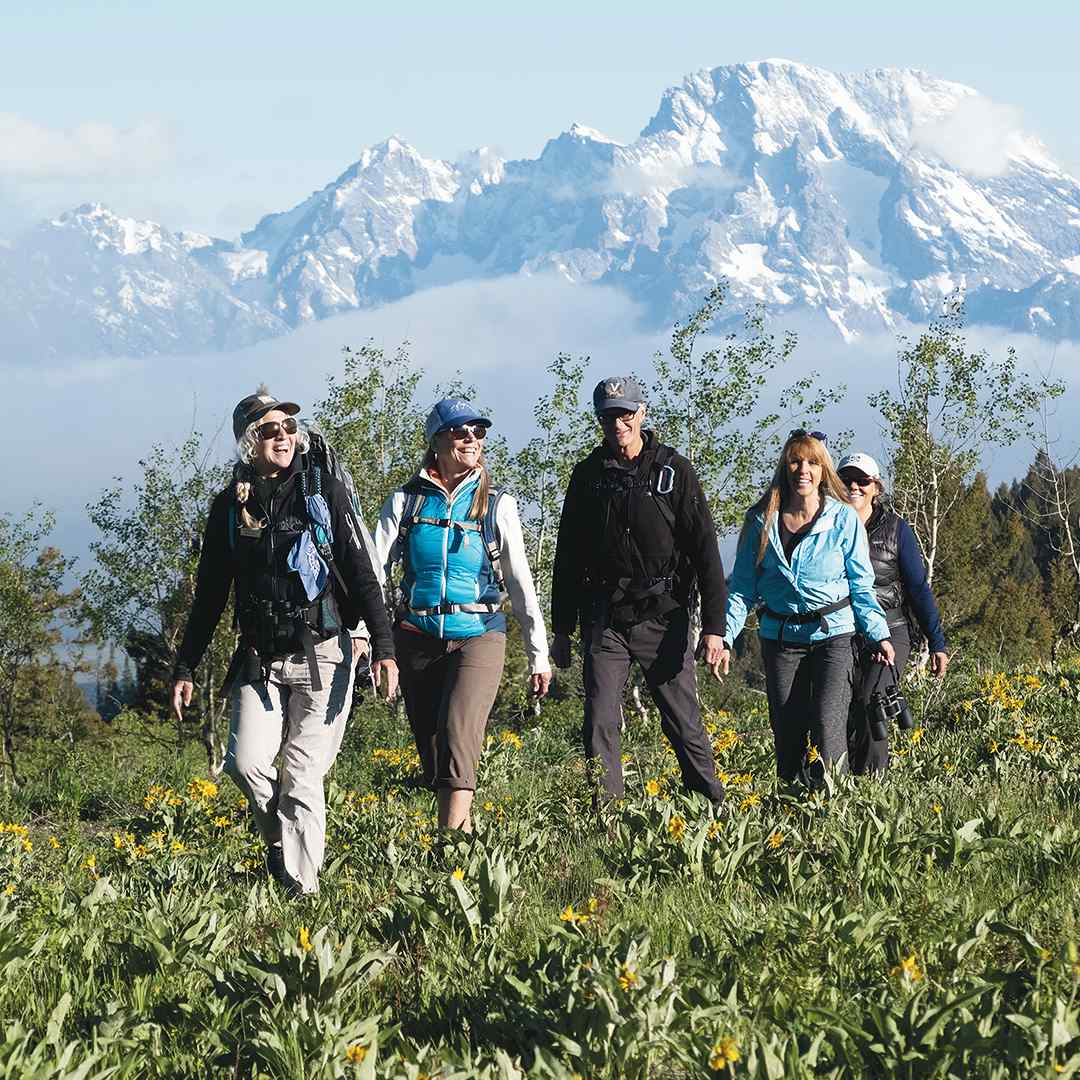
<point x="636" y="546"/>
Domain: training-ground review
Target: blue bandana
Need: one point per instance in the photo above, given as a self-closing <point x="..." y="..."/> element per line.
<point x="304" y="557"/>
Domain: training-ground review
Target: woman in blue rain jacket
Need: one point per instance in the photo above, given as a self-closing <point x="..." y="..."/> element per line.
<point x="804" y="563"/>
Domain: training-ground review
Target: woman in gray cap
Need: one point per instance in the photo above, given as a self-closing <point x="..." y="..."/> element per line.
<point x="460" y="543"/>
<point x="902" y="590"/>
<point x="284" y="535"/>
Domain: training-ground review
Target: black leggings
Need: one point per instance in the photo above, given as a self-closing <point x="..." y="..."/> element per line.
<point x="864" y="754"/>
<point x="809" y="688"/>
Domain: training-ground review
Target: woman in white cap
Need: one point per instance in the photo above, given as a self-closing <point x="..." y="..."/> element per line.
<point x="462" y="550"/>
<point x="902" y="590"/>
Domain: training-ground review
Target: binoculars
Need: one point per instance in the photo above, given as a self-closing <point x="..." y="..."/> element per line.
<point x="887" y="706"/>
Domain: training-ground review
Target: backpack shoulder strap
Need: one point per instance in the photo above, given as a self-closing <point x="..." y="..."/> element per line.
<point x="413" y="501"/>
<point x="492" y="536"/>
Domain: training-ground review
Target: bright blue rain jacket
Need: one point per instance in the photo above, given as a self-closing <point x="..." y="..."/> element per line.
<point x="448" y="565"/>
<point x="830" y="563"/>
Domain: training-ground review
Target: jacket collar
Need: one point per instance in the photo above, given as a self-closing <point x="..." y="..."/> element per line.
<point x="824" y="522"/>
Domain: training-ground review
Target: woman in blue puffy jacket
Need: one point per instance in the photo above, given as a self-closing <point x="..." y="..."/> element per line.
<point x="462" y="551"/>
<point x="803" y="561"/>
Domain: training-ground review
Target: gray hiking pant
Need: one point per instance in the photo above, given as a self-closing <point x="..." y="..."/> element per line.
<point x="665" y="651"/>
<point x="305" y="726"/>
<point x="809" y="689"/>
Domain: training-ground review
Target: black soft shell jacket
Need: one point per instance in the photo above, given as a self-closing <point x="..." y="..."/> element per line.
<point x="605" y="536"/>
<point x="258" y="567"/>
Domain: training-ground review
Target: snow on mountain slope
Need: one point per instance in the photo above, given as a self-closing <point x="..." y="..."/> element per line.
<point x="867" y="197"/>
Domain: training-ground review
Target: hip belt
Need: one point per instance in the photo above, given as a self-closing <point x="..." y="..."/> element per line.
<point x="807" y="617"/>
<point x="446" y="608"/>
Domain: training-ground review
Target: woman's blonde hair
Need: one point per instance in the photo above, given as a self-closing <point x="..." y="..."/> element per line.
<point x="483" y="488"/>
<point x="771" y="502"/>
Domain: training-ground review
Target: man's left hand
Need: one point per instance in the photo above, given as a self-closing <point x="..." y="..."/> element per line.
<point x="541" y="681"/>
<point x="714" y="652"/>
<point x="388" y="668"/>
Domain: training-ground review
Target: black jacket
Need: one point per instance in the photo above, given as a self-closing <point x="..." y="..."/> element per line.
<point x="256" y="566"/>
<point x="615" y="528"/>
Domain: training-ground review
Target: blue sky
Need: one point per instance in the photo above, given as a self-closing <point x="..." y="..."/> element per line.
<point x="207" y="115"/>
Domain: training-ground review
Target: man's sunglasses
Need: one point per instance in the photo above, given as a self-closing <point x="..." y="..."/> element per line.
<point x="272" y="428"/>
<point x="802" y="433"/>
<point x="477" y="431"/>
<point x="609" y="416"/>
<point x="860" y="479"/>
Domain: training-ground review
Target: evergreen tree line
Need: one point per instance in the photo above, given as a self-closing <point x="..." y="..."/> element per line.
<point x="1004" y="564"/>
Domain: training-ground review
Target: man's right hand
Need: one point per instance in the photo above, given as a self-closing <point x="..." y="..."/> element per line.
<point x="181" y="697"/>
<point x="560" y="650"/>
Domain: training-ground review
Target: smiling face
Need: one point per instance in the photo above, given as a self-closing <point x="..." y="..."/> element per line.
<point x="622" y="427"/>
<point x="275" y="453"/>
<point x="459" y="447"/>
<point x="803" y="472"/>
<point x="861" y="488"/>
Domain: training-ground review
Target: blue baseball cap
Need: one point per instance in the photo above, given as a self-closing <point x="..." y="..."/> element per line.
<point x="451" y="412"/>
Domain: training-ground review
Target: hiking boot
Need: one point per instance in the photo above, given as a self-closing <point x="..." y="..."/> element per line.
<point x="275" y="867"/>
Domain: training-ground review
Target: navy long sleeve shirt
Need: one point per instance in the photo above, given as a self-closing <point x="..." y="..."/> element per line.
<point x="917" y="589"/>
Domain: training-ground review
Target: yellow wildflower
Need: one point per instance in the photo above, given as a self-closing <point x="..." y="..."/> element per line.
<point x="91" y="862"/>
<point x="28" y="845"/>
<point x="628" y="977"/>
<point x="568" y="914"/>
<point x="458" y="873"/>
<point x="652" y="788"/>
<point x="753" y="799"/>
<point x="775" y="840"/>
<point x="909" y="969"/>
<point x="724" y="1054"/>
<point x="221" y="822"/>
<point x="936" y="808"/>
<point x="355" y="1054"/>
<point x="202" y="789"/>
<point x="177" y="847"/>
<point x="54" y="843"/>
<point x="304" y="940"/>
<point x="917" y="734"/>
<point x="676" y="827"/>
<point x="812" y="754"/>
<point x="714" y="830"/>
<point x="10" y="889"/>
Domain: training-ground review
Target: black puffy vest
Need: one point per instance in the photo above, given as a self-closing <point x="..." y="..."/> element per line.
<point x="883" y="530"/>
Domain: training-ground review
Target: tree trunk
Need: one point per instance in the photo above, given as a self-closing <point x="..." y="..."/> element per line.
<point x="10" y="773"/>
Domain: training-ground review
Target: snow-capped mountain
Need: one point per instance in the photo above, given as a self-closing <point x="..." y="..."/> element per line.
<point x="866" y="197"/>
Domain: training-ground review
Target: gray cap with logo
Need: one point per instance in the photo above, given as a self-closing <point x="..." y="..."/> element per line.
<point x="617" y="392"/>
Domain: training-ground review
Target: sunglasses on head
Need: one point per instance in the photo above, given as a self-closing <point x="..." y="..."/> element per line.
<point x="272" y="428"/>
<point x="462" y="431"/>
<point x="802" y="433"/>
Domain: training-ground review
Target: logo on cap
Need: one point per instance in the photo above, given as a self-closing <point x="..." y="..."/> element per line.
<point x="613" y="387"/>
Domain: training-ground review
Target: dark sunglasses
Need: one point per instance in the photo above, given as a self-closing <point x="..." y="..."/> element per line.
<point x="611" y="415"/>
<point x="857" y="478"/>
<point x="477" y="431"/>
<point x="272" y="428"/>
<point x="802" y="433"/>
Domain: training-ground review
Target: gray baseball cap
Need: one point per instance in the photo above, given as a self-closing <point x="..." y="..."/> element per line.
<point x="617" y="392"/>
<point x="255" y="406"/>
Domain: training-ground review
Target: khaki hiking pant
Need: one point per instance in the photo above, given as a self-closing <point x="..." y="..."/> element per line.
<point x="306" y="727"/>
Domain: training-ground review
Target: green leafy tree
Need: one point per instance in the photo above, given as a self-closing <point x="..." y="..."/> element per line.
<point x="707" y="401"/>
<point x="139" y="593"/>
<point x="33" y="609"/>
<point x="374" y="421"/>
<point x="950" y="404"/>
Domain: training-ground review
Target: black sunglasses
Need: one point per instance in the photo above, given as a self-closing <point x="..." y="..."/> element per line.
<point x="802" y="433"/>
<point x="271" y="428"/>
<point x="861" y="479"/>
<point x="477" y="431"/>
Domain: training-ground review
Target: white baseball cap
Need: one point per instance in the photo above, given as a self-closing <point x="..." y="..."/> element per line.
<point x="863" y="462"/>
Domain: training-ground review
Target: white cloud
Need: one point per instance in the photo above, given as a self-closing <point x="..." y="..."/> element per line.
<point x="979" y="136"/>
<point x="640" y="178"/>
<point x="33" y="152"/>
